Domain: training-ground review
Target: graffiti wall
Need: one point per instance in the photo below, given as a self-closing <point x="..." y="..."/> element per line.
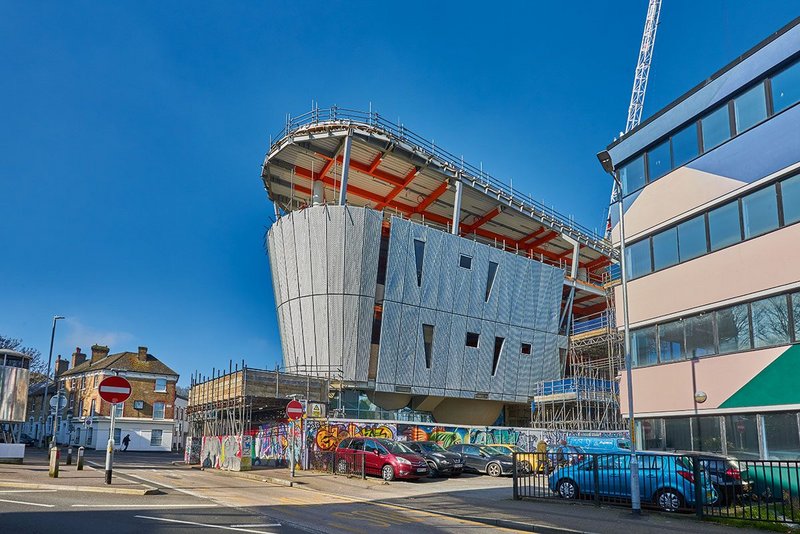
<point x="191" y="454"/>
<point x="230" y="453"/>
<point x="280" y="443"/>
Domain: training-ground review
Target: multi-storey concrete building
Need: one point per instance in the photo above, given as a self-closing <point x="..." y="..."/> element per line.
<point x="416" y="280"/>
<point x="147" y="416"/>
<point x="711" y="196"/>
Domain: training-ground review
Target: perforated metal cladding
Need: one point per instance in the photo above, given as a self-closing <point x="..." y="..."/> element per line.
<point x="523" y="305"/>
<point x="324" y="310"/>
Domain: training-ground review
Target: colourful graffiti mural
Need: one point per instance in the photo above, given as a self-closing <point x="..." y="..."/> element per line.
<point x="325" y="436"/>
<point x="226" y="452"/>
<point x="191" y="454"/>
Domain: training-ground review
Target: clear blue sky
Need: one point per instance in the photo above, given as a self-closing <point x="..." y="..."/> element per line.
<point x="133" y="133"/>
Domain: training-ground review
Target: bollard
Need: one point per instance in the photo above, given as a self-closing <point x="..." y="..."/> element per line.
<point x="54" y="454"/>
<point x="69" y="456"/>
<point x="80" y="458"/>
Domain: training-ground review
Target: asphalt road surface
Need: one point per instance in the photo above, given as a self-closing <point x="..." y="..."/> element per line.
<point x="195" y="501"/>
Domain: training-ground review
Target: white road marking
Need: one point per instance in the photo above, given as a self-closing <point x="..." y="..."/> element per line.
<point x="221" y="527"/>
<point x="29" y="491"/>
<point x="257" y="525"/>
<point x="29" y="503"/>
<point x="145" y="505"/>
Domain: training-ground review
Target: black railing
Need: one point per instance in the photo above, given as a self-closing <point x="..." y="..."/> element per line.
<point x="708" y="485"/>
<point x="330" y="462"/>
<point x="755" y="490"/>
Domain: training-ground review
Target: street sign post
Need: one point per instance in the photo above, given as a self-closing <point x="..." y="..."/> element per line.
<point x="294" y="410"/>
<point x="113" y="389"/>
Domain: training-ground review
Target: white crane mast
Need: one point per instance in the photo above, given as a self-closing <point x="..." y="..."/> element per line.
<point x="643" y="65"/>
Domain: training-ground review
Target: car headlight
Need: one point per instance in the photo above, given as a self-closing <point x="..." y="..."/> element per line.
<point x="444" y="461"/>
<point x="402" y="460"/>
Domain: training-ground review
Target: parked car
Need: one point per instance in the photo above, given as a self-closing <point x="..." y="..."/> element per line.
<point x="481" y="459"/>
<point x="381" y="457"/>
<point x="441" y="462"/>
<point x="666" y="479"/>
<point x="724" y="474"/>
<point x="528" y="461"/>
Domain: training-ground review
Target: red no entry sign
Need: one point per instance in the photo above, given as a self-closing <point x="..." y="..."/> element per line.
<point x="294" y="410"/>
<point x="114" y="389"/>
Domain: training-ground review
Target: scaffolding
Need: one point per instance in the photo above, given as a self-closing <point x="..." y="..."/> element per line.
<point x="587" y="398"/>
<point x="232" y="402"/>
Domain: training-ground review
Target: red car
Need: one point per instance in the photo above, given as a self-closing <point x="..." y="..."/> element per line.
<point x="386" y="458"/>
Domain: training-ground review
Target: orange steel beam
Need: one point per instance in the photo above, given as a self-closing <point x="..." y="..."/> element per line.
<point x="467" y="229"/>
<point x="436" y="193"/>
<point x="542" y="240"/>
<point x="538" y="232"/>
<point x="367" y="169"/>
<point x="374" y="165"/>
<point x="593" y="309"/>
<point x="599" y="262"/>
<point x="585" y="298"/>
<point x="398" y="189"/>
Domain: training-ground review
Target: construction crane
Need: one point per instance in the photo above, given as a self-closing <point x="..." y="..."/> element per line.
<point x="640" y="80"/>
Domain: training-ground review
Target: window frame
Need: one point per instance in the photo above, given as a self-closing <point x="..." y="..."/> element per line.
<point x="155" y="386"/>
<point x="163" y="410"/>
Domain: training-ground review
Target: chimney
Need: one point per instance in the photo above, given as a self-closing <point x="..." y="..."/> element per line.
<point x="98" y="353"/>
<point x="61" y="365"/>
<point x="77" y="357"/>
<point x="142" y="357"/>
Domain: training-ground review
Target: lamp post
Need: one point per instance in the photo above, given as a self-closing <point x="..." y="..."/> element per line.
<point x="699" y="397"/>
<point x="608" y="166"/>
<point x="47" y="385"/>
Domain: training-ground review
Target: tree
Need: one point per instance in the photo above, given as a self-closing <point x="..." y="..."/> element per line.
<point x="38" y="366"/>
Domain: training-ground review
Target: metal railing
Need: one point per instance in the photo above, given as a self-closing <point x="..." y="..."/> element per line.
<point x="753" y="490"/>
<point x="456" y="164"/>
<point x="601" y="320"/>
<point x="330" y="462"/>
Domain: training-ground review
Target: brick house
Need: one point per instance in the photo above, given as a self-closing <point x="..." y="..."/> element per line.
<point x="147" y="416"/>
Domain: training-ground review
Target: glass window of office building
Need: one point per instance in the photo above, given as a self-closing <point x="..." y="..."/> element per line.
<point x="665" y="249"/>
<point x="796" y="313"/>
<point x="783" y="436"/>
<point x="638" y="258"/>
<point x="678" y="433"/>
<point x="723" y="226"/>
<point x="770" y="321"/>
<point x="733" y="329"/>
<point x="692" y="238"/>
<point x="750" y="108"/>
<point x="790" y="195"/>
<point x="760" y="212"/>
<point x="741" y="434"/>
<point x="632" y="175"/>
<point x="670" y="339"/>
<point x="684" y="145"/>
<point x="706" y="434"/>
<point x="658" y="161"/>
<point x="716" y="128"/>
<point x="643" y="347"/>
<point x="786" y="88"/>
<point x="700" y="335"/>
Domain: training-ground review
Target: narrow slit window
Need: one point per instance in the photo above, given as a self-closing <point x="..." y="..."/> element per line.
<point x="525" y="348"/>
<point x="427" y="341"/>
<point x="465" y="262"/>
<point x="419" y="256"/>
<point x="472" y="339"/>
<point x="490" y="279"/>
<point x="498" y="349"/>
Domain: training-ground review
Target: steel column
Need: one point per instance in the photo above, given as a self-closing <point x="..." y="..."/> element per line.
<point x="348" y="141"/>
<point x="457" y="207"/>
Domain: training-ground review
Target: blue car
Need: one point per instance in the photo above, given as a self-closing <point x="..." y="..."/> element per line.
<point x="665" y="480"/>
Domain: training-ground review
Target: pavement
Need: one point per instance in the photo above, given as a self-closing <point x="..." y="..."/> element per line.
<point x="261" y="501"/>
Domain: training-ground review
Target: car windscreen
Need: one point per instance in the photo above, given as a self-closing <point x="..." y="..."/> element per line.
<point x="395" y="447"/>
<point x="432" y="447"/>
<point x="495" y="450"/>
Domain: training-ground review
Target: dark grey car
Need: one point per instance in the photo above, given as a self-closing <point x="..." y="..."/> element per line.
<point x="482" y="459"/>
<point x="441" y="462"/>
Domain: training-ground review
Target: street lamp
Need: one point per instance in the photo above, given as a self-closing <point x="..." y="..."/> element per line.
<point x="699" y="397"/>
<point x="47" y="384"/>
<point x="608" y="166"/>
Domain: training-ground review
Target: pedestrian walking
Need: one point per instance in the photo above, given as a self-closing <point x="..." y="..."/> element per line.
<point x="126" y="441"/>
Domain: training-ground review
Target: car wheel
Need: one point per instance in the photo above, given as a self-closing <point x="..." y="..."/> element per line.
<point x="341" y="467"/>
<point x="669" y="500"/>
<point x="388" y="473"/>
<point x="494" y="470"/>
<point x="432" y="471"/>
<point x="525" y="466"/>
<point x="567" y="489"/>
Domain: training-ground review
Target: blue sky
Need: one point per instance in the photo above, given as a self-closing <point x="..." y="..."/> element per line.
<point x="133" y="133"/>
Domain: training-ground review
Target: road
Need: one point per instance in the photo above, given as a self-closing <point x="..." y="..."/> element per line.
<point x="200" y="501"/>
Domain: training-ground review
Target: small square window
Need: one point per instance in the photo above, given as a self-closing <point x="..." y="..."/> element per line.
<point x="465" y="262"/>
<point x="525" y="348"/>
<point x="472" y="339"/>
<point x="161" y="385"/>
